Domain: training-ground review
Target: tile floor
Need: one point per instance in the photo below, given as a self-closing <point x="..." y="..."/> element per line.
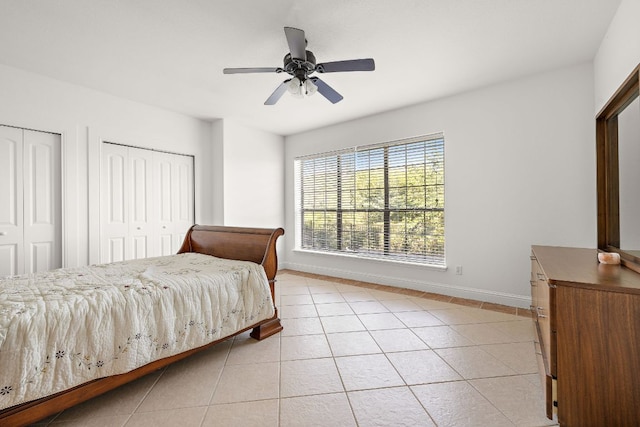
<point x="349" y="355"/>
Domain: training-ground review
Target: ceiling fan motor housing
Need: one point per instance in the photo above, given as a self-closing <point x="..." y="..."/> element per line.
<point x="300" y="68"/>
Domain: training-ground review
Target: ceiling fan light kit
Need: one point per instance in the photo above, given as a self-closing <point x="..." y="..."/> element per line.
<point x="300" y="64"/>
<point x="298" y="88"/>
<point x="295" y="87"/>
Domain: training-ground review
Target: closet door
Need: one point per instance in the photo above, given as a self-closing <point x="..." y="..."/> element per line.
<point x="142" y="217"/>
<point x="128" y="219"/>
<point x="173" y="178"/>
<point x="42" y="202"/>
<point x="11" y="194"/>
<point x="114" y="204"/>
<point x="30" y="201"/>
<point x="163" y="178"/>
<point x="183" y="207"/>
<point x="147" y="202"/>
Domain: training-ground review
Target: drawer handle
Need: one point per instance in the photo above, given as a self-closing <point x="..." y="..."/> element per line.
<point x="533" y="258"/>
<point x="541" y="276"/>
<point x="533" y="283"/>
<point x="538" y="312"/>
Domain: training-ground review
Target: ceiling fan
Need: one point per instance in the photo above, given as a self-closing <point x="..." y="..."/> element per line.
<point x="301" y="64"/>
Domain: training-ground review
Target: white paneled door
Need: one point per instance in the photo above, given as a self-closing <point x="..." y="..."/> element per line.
<point x="142" y="218"/>
<point x="30" y="201"/>
<point x="164" y="177"/>
<point x="142" y="196"/>
<point x="11" y="221"/>
<point x="115" y="206"/>
<point x="182" y="188"/>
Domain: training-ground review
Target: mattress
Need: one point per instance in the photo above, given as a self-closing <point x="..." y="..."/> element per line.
<point x="65" y="327"/>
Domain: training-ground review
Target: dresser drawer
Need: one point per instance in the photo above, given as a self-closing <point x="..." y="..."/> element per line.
<point x="543" y="312"/>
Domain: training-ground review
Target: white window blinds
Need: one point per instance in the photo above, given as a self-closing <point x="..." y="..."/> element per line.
<point x="380" y="201"/>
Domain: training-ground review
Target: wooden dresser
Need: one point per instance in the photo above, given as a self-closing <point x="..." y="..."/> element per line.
<point x="587" y="317"/>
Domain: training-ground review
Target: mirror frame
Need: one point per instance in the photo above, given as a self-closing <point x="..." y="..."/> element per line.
<point x="608" y="169"/>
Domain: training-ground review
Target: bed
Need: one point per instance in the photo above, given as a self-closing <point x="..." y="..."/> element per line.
<point x="110" y="324"/>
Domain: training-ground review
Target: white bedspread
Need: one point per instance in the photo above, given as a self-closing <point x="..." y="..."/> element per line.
<point x="65" y="327"/>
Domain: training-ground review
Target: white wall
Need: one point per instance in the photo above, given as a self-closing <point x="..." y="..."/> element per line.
<point x="85" y="118"/>
<point x="619" y="52"/>
<point x="249" y="176"/>
<point x="519" y="170"/>
<point x="239" y="173"/>
<point x="217" y="172"/>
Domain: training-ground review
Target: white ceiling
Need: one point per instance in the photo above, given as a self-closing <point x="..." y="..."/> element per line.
<point x="170" y="53"/>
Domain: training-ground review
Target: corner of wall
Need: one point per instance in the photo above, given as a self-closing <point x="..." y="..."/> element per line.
<point x="619" y="52"/>
<point x="217" y="171"/>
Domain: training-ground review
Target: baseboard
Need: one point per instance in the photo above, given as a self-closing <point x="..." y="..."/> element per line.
<point x="502" y="298"/>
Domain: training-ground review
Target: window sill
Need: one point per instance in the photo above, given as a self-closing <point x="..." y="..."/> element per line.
<point x="378" y="260"/>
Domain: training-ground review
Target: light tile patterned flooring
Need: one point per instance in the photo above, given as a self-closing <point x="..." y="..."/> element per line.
<point x="349" y="355"/>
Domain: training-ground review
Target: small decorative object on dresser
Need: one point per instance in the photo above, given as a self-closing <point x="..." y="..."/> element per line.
<point x="609" y="258"/>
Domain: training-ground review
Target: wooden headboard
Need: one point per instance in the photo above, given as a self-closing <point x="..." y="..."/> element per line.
<point x="245" y="244"/>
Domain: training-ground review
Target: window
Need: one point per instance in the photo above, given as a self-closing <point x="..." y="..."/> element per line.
<point x="382" y="201"/>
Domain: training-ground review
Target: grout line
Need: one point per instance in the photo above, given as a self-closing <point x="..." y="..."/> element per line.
<point x="224" y="365"/>
<point x="148" y="392"/>
<point x="421" y="404"/>
<point x="487" y="399"/>
<point x="279" y="414"/>
<point x="54" y="418"/>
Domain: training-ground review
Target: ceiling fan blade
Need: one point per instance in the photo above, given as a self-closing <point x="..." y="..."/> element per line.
<point x="350" y="65"/>
<point x="251" y="70"/>
<point x="277" y="94"/>
<point x="297" y="43"/>
<point x="326" y="90"/>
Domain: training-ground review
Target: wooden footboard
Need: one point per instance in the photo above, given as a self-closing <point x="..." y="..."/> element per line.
<point x="247" y="244"/>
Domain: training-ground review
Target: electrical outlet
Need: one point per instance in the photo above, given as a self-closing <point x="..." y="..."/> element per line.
<point x="459" y="270"/>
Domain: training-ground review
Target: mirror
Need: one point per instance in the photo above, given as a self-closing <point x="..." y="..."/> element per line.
<point x="618" y="155"/>
<point x="629" y="176"/>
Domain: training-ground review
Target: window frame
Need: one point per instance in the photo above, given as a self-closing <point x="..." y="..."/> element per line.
<point x="429" y="258"/>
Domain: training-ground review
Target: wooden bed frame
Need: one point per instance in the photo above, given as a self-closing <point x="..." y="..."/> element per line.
<point x="247" y="244"/>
